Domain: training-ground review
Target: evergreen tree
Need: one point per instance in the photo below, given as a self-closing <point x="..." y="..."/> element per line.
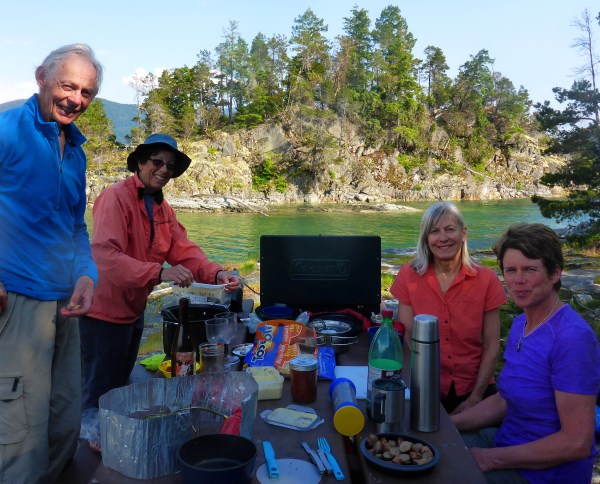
<point x="398" y="107"/>
<point x="437" y="81"/>
<point x="575" y="131"/>
<point x="484" y="109"/>
<point x="309" y="68"/>
<point x="233" y="66"/>
<point x="359" y="44"/>
<point x="98" y="129"/>
<point x="208" y="113"/>
<point x="353" y="68"/>
<point x="266" y="70"/>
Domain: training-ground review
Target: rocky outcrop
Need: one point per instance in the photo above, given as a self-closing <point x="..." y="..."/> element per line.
<point x="328" y="162"/>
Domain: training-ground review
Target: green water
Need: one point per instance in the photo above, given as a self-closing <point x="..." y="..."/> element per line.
<point x="235" y="237"/>
<point x="385" y="364"/>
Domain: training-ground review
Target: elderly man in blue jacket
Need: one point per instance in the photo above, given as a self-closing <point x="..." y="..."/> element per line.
<point x="47" y="275"/>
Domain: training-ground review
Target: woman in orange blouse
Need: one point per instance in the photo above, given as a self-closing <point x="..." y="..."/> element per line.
<point x="443" y="280"/>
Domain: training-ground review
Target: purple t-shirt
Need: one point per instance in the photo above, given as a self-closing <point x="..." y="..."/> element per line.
<point x="562" y="354"/>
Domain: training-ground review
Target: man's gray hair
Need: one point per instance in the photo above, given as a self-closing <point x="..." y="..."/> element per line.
<point x="54" y="58"/>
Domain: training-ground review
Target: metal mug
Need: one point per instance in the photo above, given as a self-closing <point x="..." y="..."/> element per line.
<point x="388" y="404"/>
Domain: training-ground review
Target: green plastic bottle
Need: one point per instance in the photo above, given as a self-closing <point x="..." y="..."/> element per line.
<point x="385" y="354"/>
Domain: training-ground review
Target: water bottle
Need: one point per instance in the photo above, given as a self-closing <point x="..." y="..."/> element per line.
<point x="385" y="354"/>
<point x="425" y="374"/>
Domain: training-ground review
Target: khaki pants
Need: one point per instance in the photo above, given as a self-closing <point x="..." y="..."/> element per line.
<point x="40" y="390"/>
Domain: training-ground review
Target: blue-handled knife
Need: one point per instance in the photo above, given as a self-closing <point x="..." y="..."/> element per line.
<point x="271" y="460"/>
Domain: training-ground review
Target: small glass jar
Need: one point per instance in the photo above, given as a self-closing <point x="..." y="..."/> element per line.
<point x="212" y="357"/>
<point x="303" y="375"/>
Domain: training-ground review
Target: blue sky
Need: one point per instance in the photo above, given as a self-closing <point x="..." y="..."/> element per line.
<point x="529" y="39"/>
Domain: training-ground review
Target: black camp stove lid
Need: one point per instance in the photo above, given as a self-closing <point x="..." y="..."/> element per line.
<point x="321" y="272"/>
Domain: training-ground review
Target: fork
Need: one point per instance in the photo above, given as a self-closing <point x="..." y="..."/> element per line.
<point x="324" y="446"/>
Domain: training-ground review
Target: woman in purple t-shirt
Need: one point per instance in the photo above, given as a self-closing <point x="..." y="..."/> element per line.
<point x="547" y="389"/>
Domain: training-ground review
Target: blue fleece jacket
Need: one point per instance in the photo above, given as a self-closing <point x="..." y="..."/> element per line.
<point x="44" y="242"/>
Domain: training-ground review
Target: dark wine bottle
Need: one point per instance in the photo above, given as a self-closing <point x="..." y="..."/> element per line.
<point x="184" y="354"/>
<point x="237" y="296"/>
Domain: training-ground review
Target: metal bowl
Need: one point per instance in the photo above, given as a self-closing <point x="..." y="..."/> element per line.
<point x="333" y="333"/>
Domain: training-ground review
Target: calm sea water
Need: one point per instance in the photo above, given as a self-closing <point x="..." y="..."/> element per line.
<point x="235" y="237"/>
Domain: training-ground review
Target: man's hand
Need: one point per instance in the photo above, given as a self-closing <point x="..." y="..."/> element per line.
<point x="81" y="300"/>
<point x="3" y="298"/>
<point x="180" y="275"/>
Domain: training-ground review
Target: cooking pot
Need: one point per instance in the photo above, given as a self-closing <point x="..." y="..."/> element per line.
<point x="218" y="458"/>
<point x="198" y="314"/>
<point x="333" y="333"/>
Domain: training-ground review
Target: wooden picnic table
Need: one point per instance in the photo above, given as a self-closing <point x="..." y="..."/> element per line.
<point x="455" y="464"/>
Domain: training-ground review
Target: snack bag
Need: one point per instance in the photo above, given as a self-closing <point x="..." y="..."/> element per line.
<point x="276" y="343"/>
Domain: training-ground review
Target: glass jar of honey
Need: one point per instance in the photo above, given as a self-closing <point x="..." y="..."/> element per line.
<point x="303" y="375"/>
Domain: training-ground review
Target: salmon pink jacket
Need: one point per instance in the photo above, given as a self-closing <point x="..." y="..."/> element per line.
<point x="128" y="262"/>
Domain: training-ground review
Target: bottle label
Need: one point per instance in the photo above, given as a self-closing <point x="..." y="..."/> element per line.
<point x="184" y="363"/>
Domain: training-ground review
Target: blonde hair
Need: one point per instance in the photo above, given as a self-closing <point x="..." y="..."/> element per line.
<point x="430" y="218"/>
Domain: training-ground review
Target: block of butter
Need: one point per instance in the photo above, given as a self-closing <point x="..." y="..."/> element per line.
<point x="270" y="382"/>
<point x="292" y="418"/>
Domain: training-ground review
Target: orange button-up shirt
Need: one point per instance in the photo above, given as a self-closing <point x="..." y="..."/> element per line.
<point x="128" y="263"/>
<point x="460" y="317"/>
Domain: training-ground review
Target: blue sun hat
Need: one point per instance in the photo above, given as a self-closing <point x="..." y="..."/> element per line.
<point x="154" y="142"/>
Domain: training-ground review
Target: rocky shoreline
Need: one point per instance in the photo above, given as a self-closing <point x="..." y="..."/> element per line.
<point x="250" y="170"/>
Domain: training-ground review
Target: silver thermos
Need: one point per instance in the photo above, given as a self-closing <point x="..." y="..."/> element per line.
<point x="425" y="374"/>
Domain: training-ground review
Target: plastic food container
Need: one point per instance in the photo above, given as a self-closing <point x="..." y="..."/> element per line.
<point x="270" y="382"/>
<point x="292" y="418"/>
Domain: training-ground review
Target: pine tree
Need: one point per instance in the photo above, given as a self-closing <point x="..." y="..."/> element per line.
<point x="575" y="131"/>
<point x="98" y="129"/>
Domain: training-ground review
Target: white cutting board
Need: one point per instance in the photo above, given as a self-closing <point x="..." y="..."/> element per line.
<point x="358" y="375"/>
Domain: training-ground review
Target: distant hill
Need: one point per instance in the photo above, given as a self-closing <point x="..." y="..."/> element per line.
<point x="121" y="115"/>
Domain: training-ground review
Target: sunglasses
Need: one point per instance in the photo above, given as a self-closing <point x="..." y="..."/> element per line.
<point x="160" y="163"/>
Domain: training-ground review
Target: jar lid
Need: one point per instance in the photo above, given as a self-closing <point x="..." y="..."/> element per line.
<point x="304" y="363"/>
